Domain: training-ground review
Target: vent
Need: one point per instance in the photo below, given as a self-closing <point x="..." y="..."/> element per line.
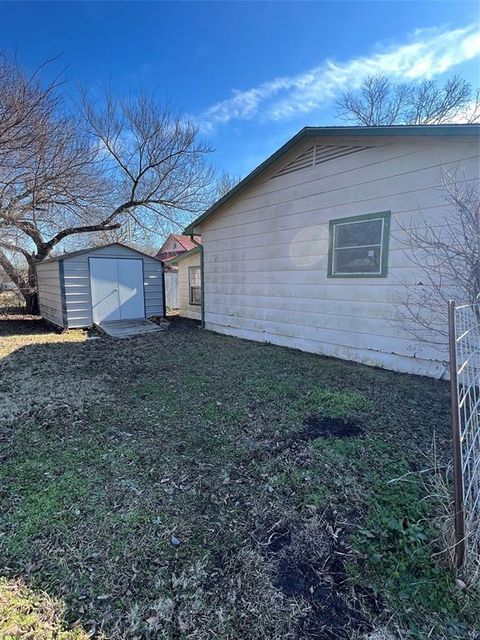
<point x="305" y="161"/>
<point x="316" y="155"/>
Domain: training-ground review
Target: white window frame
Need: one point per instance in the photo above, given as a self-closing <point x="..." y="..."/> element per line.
<point x="190" y="286"/>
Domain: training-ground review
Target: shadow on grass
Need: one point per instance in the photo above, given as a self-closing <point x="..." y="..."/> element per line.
<point x="22" y="324"/>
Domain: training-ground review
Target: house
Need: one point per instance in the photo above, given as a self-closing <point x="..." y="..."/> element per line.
<point x="189" y="283"/>
<point x="113" y="282"/>
<point x="306" y="252"/>
<point x="175" y="245"/>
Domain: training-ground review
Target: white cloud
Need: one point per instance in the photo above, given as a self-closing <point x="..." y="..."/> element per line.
<point x="427" y="54"/>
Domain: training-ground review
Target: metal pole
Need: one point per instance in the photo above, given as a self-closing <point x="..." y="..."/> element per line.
<point x="457" y="447"/>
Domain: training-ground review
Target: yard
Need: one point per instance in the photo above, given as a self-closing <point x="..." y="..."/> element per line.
<point x="189" y="485"/>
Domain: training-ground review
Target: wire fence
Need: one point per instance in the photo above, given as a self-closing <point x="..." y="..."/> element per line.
<point x="464" y="343"/>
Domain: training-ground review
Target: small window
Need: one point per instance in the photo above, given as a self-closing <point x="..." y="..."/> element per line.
<point x="359" y="246"/>
<point x="194" y="285"/>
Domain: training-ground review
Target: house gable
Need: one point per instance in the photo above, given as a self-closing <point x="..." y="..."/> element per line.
<point x="175" y="245"/>
<point x="357" y="138"/>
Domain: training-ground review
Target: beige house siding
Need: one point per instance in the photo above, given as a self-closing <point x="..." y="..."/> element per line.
<point x="266" y="251"/>
<point x="187" y="310"/>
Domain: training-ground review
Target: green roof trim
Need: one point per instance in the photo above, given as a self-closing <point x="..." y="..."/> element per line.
<point x="470" y="130"/>
<point x="182" y="256"/>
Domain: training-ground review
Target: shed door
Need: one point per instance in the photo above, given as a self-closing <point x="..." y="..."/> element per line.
<point x="117" y="288"/>
<point x="130" y="287"/>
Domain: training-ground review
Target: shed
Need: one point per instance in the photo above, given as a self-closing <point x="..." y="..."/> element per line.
<point x="189" y="283"/>
<point x="111" y="282"/>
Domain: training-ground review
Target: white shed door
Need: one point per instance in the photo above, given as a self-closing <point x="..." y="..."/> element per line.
<point x="117" y="289"/>
<point x="130" y="287"/>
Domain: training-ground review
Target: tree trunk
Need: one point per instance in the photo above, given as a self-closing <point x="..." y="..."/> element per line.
<point x="30" y="293"/>
<point x="26" y="279"/>
<point x="31" y="303"/>
<point x="28" y="287"/>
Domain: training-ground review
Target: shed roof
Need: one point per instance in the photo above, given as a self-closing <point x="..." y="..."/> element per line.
<point x="71" y="254"/>
<point x="470" y="130"/>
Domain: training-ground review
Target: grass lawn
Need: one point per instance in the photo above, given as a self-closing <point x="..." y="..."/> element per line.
<point x="190" y="485"/>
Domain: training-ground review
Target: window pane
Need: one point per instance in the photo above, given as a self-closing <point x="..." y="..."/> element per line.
<point x="364" y="260"/>
<point x="354" y="234"/>
<point x="195" y="295"/>
<point x="195" y="276"/>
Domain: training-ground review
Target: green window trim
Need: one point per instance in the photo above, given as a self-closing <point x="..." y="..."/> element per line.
<point x="194" y="286"/>
<point x="384" y="246"/>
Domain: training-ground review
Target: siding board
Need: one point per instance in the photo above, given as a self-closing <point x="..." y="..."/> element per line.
<point x="49" y="292"/>
<point x="376" y="163"/>
<point x="407" y="193"/>
<point x="342" y="337"/>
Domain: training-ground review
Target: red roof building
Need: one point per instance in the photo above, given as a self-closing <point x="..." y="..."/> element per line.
<point x="175" y="245"/>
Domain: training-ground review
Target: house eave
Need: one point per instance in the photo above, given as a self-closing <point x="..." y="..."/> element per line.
<point x="182" y="256"/>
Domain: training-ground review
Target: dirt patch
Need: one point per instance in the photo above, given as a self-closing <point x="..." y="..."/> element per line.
<point x="183" y="324"/>
<point x="312" y="569"/>
<point x="334" y="613"/>
<point x="325" y="427"/>
<point x="329" y="616"/>
<point x="279" y="539"/>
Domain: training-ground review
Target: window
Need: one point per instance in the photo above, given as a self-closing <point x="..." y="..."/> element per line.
<point x="359" y="246"/>
<point x="194" y="285"/>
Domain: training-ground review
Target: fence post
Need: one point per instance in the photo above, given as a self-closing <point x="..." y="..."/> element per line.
<point x="457" y="446"/>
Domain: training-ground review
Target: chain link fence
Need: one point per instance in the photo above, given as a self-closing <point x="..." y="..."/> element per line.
<point x="464" y="344"/>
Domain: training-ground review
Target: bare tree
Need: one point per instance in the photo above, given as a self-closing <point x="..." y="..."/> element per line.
<point x="379" y="101"/>
<point x="130" y="234"/>
<point x="224" y="183"/>
<point x="154" y="159"/>
<point x="24" y="105"/>
<point x="131" y="164"/>
<point x="446" y="254"/>
<point x="48" y="178"/>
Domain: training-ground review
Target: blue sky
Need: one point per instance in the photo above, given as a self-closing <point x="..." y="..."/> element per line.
<point x="251" y="74"/>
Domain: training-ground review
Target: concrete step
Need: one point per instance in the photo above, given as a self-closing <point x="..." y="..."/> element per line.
<point x="128" y="328"/>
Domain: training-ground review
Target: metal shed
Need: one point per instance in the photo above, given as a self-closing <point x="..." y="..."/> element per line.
<point x="112" y="282"/>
